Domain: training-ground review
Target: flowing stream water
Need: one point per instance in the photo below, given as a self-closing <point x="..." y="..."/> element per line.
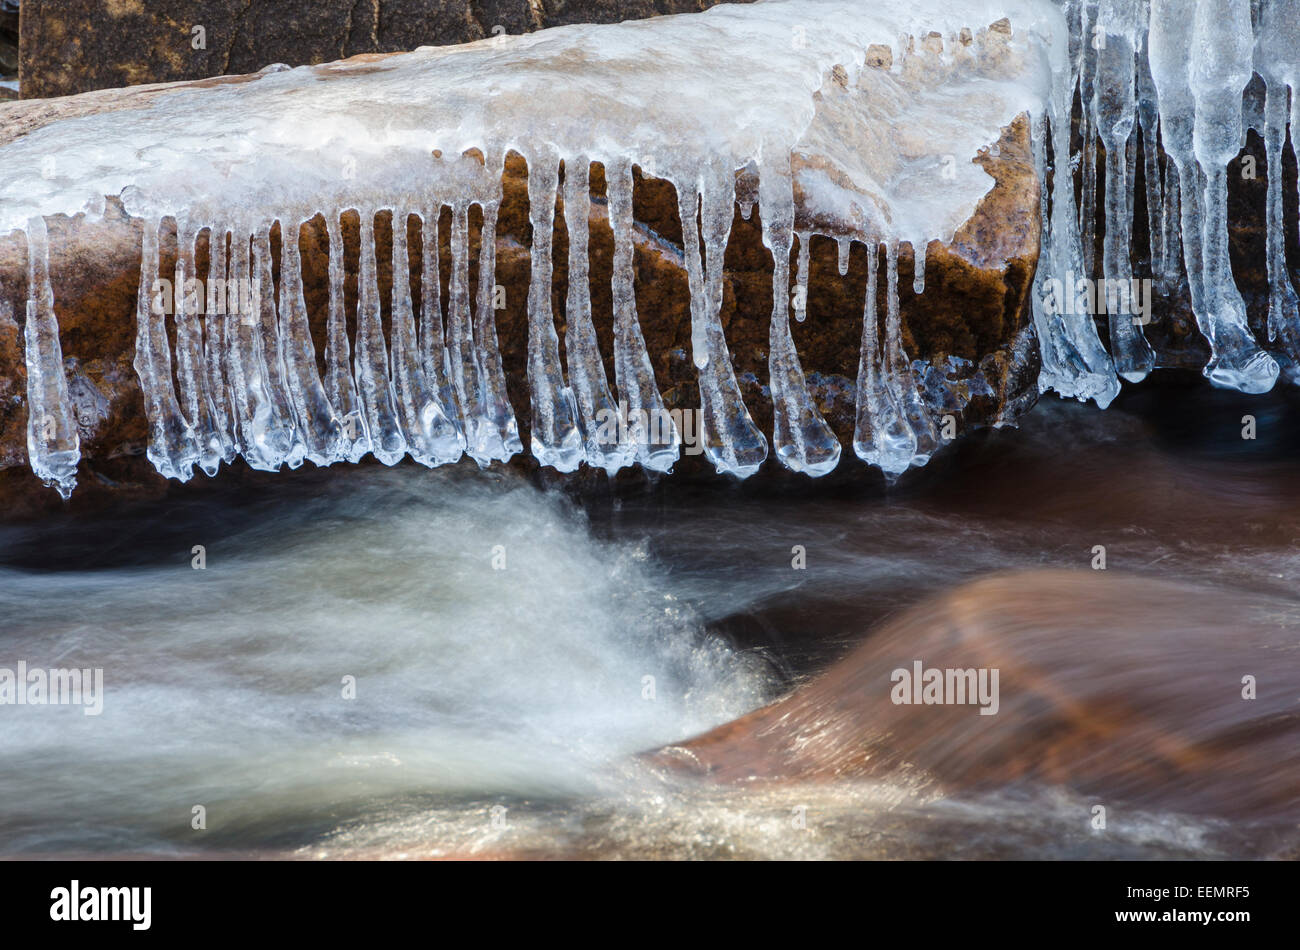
<point x="513" y="645"/>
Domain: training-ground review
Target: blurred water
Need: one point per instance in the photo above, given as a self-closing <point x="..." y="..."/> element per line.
<point x="497" y="711"/>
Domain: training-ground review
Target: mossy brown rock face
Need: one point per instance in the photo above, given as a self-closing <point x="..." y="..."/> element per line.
<point x="74" y="46"/>
<point x="971" y="324"/>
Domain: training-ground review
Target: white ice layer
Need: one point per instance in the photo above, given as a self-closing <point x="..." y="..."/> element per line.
<point x="782" y="102"/>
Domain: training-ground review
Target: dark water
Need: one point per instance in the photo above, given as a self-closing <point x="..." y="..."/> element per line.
<point x="514" y="646"/>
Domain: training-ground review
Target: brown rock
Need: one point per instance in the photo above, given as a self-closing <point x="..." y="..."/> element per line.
<point x="73" y="46"/>
<point x="1082" y="703"/>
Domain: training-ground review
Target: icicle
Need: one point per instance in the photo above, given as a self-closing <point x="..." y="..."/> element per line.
<point x="492" y="375"/>
<point x="257" y="440"/>
<point x="554" y="437"/>
<point x="845" y="245"/>
<point x="1171" y="226"/>
<point x="373" y="386"/>
<point x="881" y="436"/>
<point x="1277" y="60"/>
<point x="597" y="413"/>
<point x="286" y="436"/>
<point x="340" y="385"/>
<point x="319" y="428"/>
<point x="801" y="275"/>
<point x="731" y="440"/>
<point x="1295" y="129"/>
<point x="898" y="369"/>
<point x="1283" y="306"/>
<point x="191" y="379"/>
<point x="480" y="437"/>
<point x="214" y="346"/>
<point x="1148" y="121"/>
<point x="1217" y="84"/>
<point x="53" y="444"/>
<point x="484" y="439"/>
<point x="171" y="440"/>
<point x="1087" y="86"/>
<point x="1115" y="106"/>
<point x="1074" y="363"/>
<point x="433" y="348"/>
<point x="431" y="437"/>
<point x="918" y="274"/>
<point x="801" y="439"/>
<point x="651" y="435"/>
<point x="1200" y="115"/>
<point x="1130" y="177"/>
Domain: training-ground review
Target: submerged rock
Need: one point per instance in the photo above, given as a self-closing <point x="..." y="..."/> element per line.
<point x="1135" y="692"/>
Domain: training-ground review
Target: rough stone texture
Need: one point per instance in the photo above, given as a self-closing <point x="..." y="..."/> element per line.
<point x="8" y="46"/>
<point x="73" y="46"/>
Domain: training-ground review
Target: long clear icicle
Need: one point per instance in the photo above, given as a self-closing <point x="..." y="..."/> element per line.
<point x="1283" y="305"/>
<point x="285" y="436"/>
<point x="731" y="441"/>
<point x="1149" y="122"/>
<point x="1200" y="110"/>
<point x="881" y="436"/>
<point x="1089" y="31"/>
<point x="433" y="346"/>
<point x="340" y="384"/>
<point x="1217" y="81"/>
<point x="214" y="342"/>
<point x="1115" y="107"/>
<point x="499" y="415"/>
<point x="801" y="439"/>
<point x="318" y="426"/>
<point x="257" y="441"/>
<point x="172" y="449"/>
<point x="652" y="435"/>
<point x="373" y="386"/>
<point x="597" y="414"/>
<point x="53" y="443"/>
<point x="1074" y="363"/>
<point x="480" y="436"/>
<point x="554" y="437"/>
<point x="192" y="380"/>
<point x="898" y="369"/>
<point x="431" y="437"/>
<point x="1277" y="59"/>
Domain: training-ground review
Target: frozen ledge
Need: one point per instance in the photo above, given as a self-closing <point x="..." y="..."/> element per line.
<point x="859" y="126"/>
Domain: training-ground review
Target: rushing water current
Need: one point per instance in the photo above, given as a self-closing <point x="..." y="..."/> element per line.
<point x="411" y="663"/>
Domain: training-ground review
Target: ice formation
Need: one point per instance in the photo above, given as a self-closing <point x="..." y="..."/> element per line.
<point x="1177" y="71"/>
<point x="772" y="102"/>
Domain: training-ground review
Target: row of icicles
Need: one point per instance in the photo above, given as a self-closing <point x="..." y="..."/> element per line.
<point x="1175" y="72"/>
<point x="247" y="383"/>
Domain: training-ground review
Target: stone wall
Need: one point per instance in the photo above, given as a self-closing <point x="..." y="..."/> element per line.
<point x="73" y="46"/>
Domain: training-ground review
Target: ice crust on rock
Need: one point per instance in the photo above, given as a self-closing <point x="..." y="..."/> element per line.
<point x="787" y="97"/>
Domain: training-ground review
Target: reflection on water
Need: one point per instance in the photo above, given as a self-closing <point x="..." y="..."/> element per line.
<point x="513" y="646"/>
